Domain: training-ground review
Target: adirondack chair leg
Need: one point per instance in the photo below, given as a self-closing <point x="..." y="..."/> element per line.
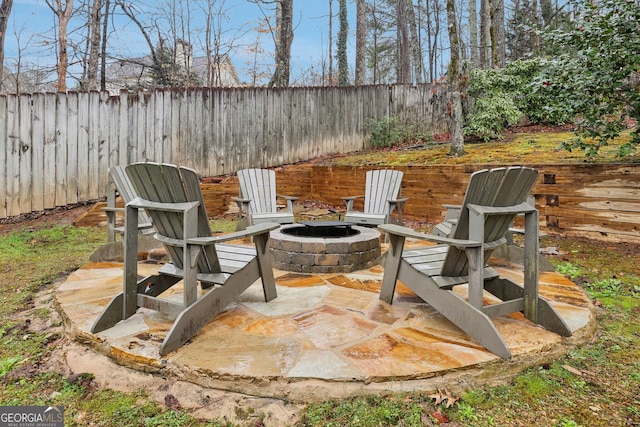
<point x="130" y="303"/>
<point x="546" y="315"/>
<point x="206" y="308"/>
<point x="112" y="314"/>
<point x="264" y="265"/>
<point x="111" y="215"/>
<point x="466" y="317"/>
<point x="391" y="267"/>
<point x="549" y="318"/>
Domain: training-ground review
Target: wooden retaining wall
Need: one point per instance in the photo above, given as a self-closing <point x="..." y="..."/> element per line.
<point x="595" y="201"/>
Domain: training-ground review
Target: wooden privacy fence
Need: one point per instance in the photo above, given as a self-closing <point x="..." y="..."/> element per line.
<point x="57" y="147"/>
<point x="594" y="201"/>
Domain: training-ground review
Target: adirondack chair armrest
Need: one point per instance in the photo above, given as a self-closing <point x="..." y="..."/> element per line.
<point x="112" y="209"/>
<point x="290" y="200"/>
<point x="349" y="201"/>
<point x="141" y="203"/>
<point x="242" y="205"/>
<point x="399" y="230"/>
<point x="398" y="202"/>
<point x="253" y="230"/>
<point x="523" y="207"/>
<point x="452" y="212"/>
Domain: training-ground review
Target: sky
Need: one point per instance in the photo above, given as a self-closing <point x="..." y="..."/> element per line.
<point x="29" y="34"/>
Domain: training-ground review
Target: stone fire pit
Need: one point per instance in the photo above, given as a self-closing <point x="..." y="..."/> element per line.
<point x="324" y="247"/>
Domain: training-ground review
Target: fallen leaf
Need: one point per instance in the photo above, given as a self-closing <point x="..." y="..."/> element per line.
<point x="172" y="402"/>
<point x="439" y="416"/>
<point x="451" y="399"/>
<point x="572" y="370"/>
<point x="437" y="397"/>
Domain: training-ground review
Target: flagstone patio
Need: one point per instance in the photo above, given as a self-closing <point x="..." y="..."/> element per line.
<point x="325" y="336"/>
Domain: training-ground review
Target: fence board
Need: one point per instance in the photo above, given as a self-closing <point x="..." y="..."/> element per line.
<point x="103" y="141"/>
<point x="3" y="157"/>
<point x="37" y="153"/>
<point x="73" y="163"/>
<point x="25" y="153"/>
<point x="92" y="145"/>
<point x="12" y="162"/>
<point x="49" y="136"/>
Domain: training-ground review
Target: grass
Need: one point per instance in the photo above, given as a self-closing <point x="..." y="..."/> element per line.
<point x="532" y="148"/>
<point x="597" y="384"/>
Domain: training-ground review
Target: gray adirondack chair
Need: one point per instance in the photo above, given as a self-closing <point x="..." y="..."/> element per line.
<point x="258" y="197"/>
<point x="121" y="186"/>
<point x="445" y="227"/>
<point x="172" y="197"/>
<point x="381" y="198"/>
<point x="492" y="200"/>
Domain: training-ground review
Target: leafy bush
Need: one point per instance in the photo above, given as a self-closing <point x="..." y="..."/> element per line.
<point x="503" y="96"/>
<point x="598" y="77"/>
<point x="392" y="131"/>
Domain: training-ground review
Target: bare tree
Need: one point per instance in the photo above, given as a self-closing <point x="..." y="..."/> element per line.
<point x="500" y="56"/>
<point x="403" y="64"/>
<point x="341" y="50"/>
<point x="330" y="79"/>
<point x="473" y="32"/>
<point x="433" y="31"/>
<point x="62" y="10"/>
<point x="103" y="50"/>
<point x="536" y="24"/>
<point x="361" y="40"/>
<point x="416" y="48"/>
<point x="215" y="15"/>
<point x="284" y="38"/>
<point x="5" y="11"/>
<point x="94" y="39"/>
<point x="457" y="115"/>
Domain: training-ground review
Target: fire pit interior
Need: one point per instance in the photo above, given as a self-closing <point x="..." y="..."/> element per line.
<point x="324" y="247"/>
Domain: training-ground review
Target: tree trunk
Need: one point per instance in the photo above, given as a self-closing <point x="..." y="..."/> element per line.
<point x="330" y="77"/>
<point x="343" y="33"/>
<point x="5" y="11"/>
<point x="361" y="37"/>
<point x="536" y="25"/>
<point x="501" y="42"/>
<point x="416" y="50"/>
<point x="95" y="19"/>
<point x="457" y="116"/>
<point x="103" y="48"/>
<point x="473" y="33"/>
<point x="284" y="38"/>
<point x="403" y="54"/>
<point x="63" y="13"/>
<point x="485" y="34"/>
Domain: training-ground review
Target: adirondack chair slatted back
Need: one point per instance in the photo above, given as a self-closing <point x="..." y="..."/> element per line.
<point x="496" y="187"/>
<point x="170" y="184"/>
<point x="259" y="186"/>
<point x="125" y="190"/>
<point x="381" y="186"/>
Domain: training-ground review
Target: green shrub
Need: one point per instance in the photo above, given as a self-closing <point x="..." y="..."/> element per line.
<point x="393" y="131"/>
<point x="501" y="97"/>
